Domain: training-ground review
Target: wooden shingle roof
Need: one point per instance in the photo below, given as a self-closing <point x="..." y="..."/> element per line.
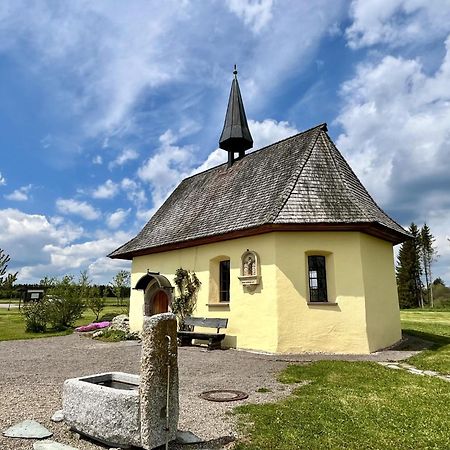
<point x="299" y="183"/>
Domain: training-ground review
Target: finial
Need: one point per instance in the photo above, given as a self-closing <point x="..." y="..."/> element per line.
<point x="235" y="71"/>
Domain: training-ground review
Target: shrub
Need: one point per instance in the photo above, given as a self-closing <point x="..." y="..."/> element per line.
<point x="65" y="304"/>
<point x="112" y="336"/>
<point x="35" y="315"/>
<point x="95" y="302"/>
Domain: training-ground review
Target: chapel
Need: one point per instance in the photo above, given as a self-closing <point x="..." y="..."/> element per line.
<point x="287" y="243"/>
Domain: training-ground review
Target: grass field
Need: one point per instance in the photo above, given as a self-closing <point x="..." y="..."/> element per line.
<point x="12" y="325"/>
<point x="360" y="405"/>
<point x="433" y="326"/>
<point x="351" y="405"/>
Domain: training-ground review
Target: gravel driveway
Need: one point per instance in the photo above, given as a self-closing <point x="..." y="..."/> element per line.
<point x="32" y="373"/>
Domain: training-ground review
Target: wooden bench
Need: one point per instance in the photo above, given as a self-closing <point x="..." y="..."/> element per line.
<point x="214" y="339"/>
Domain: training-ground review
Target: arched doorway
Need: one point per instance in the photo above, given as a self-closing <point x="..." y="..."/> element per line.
<point x="157" y="293"/>
<point x="159" y="303"/>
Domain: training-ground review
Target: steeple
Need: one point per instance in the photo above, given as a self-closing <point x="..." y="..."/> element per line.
<point x="235" y="137"/>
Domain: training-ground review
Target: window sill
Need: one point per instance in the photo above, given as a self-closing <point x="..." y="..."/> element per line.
<point x="322" y="303"/>
<point x="218" y="304"/>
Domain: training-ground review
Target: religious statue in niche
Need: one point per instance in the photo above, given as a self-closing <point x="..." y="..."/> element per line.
<point x="249" y="265"/>
<point x="250" y="268"/>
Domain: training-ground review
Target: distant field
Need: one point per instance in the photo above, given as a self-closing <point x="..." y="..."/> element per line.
<point x="110" y="301"/>
<point x="12" y="325"/>
<point x="434" y="326"/>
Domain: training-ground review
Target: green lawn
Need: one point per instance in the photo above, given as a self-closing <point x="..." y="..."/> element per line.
<point x="360" y="405"/>
<point x="433" y="326"/>
<point x="350" y="405"/>
<point x="12" y="325"/>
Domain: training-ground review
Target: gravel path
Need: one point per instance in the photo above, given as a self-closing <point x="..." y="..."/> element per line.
<point x="32" y="373"/>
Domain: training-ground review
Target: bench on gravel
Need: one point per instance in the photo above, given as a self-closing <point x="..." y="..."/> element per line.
<point x="214" y="339"/>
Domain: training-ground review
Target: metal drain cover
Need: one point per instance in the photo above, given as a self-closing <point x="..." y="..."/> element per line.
<point x="223" y="395"/>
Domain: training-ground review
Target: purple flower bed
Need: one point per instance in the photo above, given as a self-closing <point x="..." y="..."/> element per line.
<point x="93" y="326"/>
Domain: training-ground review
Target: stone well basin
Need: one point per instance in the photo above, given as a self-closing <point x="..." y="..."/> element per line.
<point x="104" y="407"/>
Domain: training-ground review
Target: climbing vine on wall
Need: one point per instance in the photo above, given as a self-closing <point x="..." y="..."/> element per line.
<point x="187" y="287"/>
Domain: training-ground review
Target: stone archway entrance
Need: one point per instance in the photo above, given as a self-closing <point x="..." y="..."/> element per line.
<point x="157" y="293"/>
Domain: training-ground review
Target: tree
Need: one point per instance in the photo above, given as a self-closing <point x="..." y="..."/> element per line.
<point x="188" y="286"/>
<point x="409" y="270"/>
<point x="95" y="302"/>
<point x="428" y="255"/>
<point x="64" y="303"/>
<point x="6" y="280"/>
<point x="47" y="282"/>
<point x="119" y="283"/>
<point x="438" y="282"/>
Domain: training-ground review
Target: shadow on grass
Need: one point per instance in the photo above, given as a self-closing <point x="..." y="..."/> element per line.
<point x="437" y="341"/>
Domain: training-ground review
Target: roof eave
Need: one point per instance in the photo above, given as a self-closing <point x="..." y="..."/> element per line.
<point x="372" y="228"/>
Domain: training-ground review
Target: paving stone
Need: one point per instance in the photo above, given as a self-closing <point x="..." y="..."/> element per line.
<point x="415" y="371"/>
<point x="431" y="373"/>
<point x="186" y="437"/>
<point x="51" y="445"/>
<point x="393" y="366"/>
<point x="28" y="429"/>
<point x="58" y="416"/>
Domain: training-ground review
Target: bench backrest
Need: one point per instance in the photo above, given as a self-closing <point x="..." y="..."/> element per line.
<point x="206" y="322"/>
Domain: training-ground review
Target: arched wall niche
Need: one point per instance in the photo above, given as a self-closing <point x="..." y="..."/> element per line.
<point x="250" y="268"/>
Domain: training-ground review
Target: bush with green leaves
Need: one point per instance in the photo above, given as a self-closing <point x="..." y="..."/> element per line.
<point x="65" y="303"/>
<point x="35" y="315"/>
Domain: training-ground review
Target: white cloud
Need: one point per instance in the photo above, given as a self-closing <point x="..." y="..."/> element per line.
<point x="97" y="159"/>
<point x="83" y="209"/>
<point x="19" y="195"/>
<point x="127" y="154"/>
<point x="2" y="180"/>
<point x="167" y="167"/>
<point x="115" y="219"/>
<point x="255" y="13"/>
<point x="134" y="192"/>
<point x="46" y="246"/>
<point x="107" y="190"/>
<point x="90" y="255"/>
<point x="397" y="138"/>
<point x="397" y="22"/>
<point x="23" y="235"/>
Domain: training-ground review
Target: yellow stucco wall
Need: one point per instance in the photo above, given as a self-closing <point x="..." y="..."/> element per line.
<point x="276" y="316"/>
<point x="339" y="327"/>
<point x="252" y="317"/>
<point x="382" y="309"/>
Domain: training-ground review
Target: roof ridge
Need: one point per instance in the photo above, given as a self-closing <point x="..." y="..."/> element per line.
<point x="348" y="190"/>
<point x="284" y="197"/>
<point x="322" y="125"/>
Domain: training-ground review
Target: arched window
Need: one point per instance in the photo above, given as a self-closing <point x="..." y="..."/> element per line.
<point x="224" y="280"/>
<point x="219" y="280"/>
<point x="317" y="278"/>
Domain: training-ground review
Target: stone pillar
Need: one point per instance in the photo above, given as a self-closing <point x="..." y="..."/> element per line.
<point x="156" y="353"/>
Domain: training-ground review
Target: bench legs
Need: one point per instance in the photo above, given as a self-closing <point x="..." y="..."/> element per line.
<point x="214" y="344"/>
<point x="183" y="341"/>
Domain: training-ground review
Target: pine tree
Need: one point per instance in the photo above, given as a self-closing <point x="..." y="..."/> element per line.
<point x="428" y="255"/>
<point x="409" y="270"/>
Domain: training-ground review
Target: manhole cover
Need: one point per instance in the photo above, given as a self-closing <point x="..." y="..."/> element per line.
<point x="223" y="395"/>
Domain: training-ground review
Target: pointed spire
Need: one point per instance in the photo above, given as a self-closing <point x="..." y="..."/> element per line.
<point x="235" y="137"/>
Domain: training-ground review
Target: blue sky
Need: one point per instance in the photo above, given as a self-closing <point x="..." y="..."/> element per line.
<point x="106" y="105"/>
